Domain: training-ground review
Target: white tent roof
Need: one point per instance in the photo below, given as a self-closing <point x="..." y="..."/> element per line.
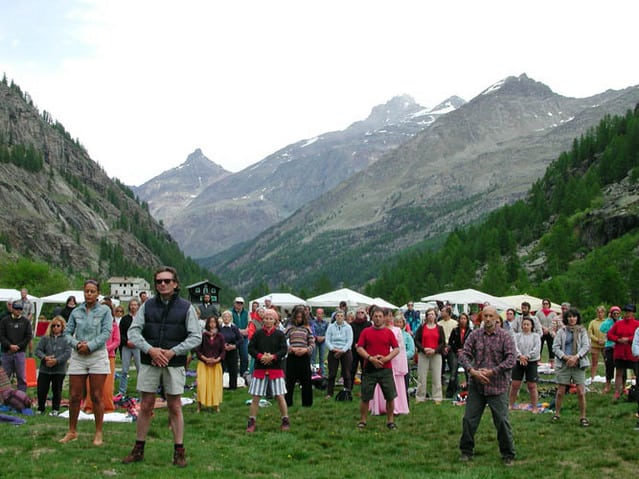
<point x="285" y="300"/>
<point x="468" y="296"/>
<point x="62" y="297"/>
<point x="13" y="294"/>
<point x="535" y="303"/>
<point x="332" y="299"/>
<point x="383" y="303"/>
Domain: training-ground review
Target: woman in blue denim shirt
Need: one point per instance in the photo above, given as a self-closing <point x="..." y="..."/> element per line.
<point x="87" y="331"/>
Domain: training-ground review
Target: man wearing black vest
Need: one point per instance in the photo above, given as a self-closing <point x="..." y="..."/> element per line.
<point x="165" y="329"/>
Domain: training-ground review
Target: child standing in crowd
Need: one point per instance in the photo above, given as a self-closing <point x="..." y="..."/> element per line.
<point x="210" y="353"/>
<point x="268" y="347"/>
<point x="528" y="346"/>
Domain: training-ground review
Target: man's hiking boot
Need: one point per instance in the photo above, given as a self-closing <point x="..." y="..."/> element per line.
<point x="179" y="457"/>
<point x="136" y="455"/>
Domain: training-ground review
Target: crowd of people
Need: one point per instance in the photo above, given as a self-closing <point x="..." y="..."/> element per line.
<point x="382" y="350"/>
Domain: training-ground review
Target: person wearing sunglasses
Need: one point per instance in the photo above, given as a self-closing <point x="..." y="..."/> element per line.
<point x="165" y="329"/>
<point x="54" y="351"/>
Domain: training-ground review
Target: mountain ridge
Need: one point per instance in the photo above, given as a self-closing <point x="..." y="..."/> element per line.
<point x="239" y="206"/>
<point x="61" y="208"/>
<point x="483" y="155"/>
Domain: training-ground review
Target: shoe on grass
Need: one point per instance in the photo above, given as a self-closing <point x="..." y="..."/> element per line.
<point x="286" y="424"/>
<point x="179" y="457"/>
<point x="250" y="427"/>
<point x="136" y="455"/>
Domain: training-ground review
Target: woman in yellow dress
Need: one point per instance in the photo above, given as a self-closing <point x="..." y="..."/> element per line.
<point x="210" y="353"/>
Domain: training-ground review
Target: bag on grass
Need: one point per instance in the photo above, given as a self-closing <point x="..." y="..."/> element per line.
<point x="344" y="395"/>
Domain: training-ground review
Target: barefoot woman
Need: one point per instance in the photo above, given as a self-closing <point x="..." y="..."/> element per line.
<point x="87" y="331"/>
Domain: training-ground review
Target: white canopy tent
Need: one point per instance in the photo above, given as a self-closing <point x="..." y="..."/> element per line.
<point x="468" y="296"/>
<point x="61" y="298"/>
<point x="383" y="303"/>
<point x="535" y="303"/>
<point x="331" y="300"/>
<point x="14" y="295"/>
<point x="284" y="300"/>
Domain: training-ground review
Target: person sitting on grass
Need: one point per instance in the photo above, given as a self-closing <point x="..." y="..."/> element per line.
<point x="378" y="346"/>
<point x="571" y="347"/>
<point x="268" y="347"/>
<point x="528" y="345"/>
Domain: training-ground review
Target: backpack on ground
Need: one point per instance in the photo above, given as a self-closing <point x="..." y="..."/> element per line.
<point x="344" y="395"/>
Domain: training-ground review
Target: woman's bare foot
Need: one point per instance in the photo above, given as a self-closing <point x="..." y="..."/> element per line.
<point x="70" y="436"/>
<point x="97" y="439"/>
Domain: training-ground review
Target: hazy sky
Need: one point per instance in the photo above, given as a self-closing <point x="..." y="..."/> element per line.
<point x="143" y="83"/>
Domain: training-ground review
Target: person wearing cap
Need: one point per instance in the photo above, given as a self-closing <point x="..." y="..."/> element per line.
<point x="622" y="334"/>
<point x="241" y="319"/>
<point x="15" y="336"/>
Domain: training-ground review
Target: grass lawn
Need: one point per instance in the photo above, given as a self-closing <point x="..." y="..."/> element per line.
<point x="324" y="443"/>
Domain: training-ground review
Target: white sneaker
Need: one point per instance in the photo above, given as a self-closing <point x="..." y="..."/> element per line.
<point x="54" y="413"/>
<point x="588" y="382"/>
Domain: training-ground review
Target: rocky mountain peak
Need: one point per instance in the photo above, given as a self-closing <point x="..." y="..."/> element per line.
<point x="520" y="86"/>
<point x="394" y="110"/>
<point x="451" y="103"/>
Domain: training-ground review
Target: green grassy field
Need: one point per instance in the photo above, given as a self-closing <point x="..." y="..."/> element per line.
<point x="324" y="443"/>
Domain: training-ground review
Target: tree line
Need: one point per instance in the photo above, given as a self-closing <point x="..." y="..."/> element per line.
<point x="491" y="255"/>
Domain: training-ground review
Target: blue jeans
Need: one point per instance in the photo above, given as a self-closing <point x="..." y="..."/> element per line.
<point x="319" y="357"/>
<point x="126" y="354"/>
<point x="475" y="405"/>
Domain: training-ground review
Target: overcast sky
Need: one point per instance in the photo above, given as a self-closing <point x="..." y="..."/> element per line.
<point x="144" y="83"/>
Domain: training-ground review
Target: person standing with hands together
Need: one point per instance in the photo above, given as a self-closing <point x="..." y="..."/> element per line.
<point x="378" y="346"/>
<point x="88" y="330"/>
<point x="488" y="356"/>
<point x="165" y="329"/>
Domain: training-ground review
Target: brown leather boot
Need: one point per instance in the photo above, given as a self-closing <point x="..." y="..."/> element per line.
<point x="179" y="457"/>
<point x="136" y="455"/>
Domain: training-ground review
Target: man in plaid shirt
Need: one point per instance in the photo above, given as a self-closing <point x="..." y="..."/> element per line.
<point x="489" y="355"/>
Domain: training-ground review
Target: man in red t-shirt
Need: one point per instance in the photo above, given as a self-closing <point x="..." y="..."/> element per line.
<point x="377" y="346"/>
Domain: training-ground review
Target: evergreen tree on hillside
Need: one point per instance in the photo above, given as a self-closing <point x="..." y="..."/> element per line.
<point x="552" y="213"/>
